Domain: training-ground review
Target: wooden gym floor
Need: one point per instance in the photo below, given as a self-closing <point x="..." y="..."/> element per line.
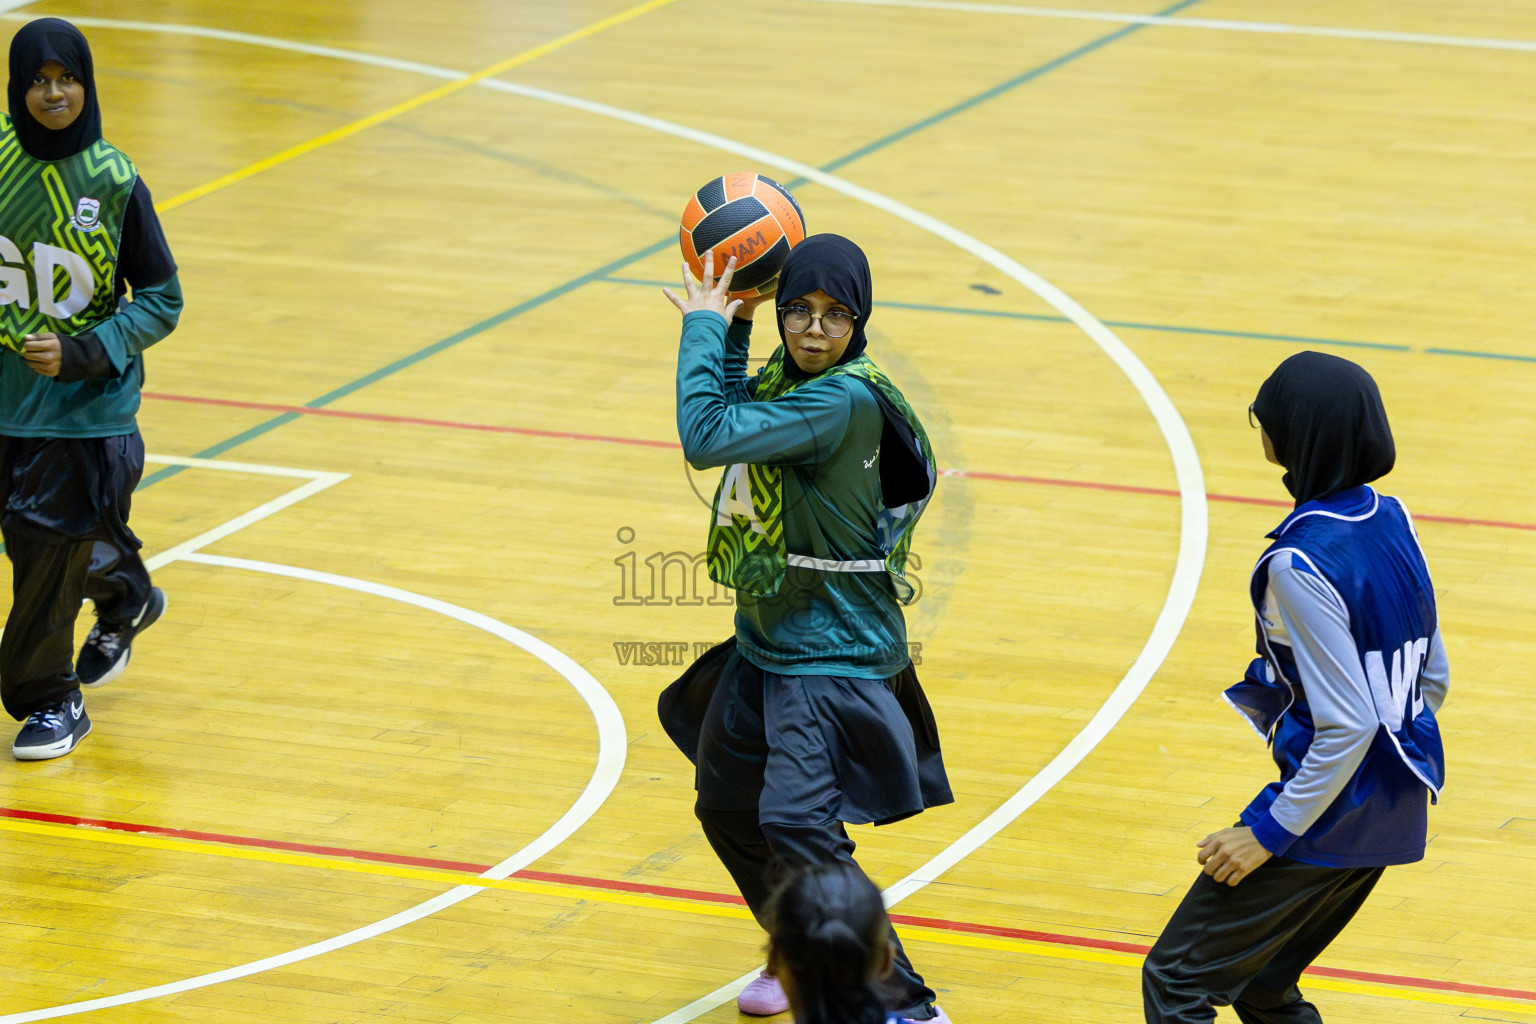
<point x="418" y="506"/>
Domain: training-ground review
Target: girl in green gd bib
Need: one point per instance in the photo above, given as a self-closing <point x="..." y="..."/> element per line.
<point x="811" y="715"/>
<point x="77" y="231"/>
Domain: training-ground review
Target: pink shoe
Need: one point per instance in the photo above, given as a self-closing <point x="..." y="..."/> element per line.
<point x="763" y="997"/>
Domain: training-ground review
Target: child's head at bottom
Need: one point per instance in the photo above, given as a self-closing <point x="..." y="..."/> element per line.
<point x="829" y="944"/>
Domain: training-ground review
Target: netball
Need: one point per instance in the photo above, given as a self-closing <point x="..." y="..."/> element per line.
<point x="747" y="216"/>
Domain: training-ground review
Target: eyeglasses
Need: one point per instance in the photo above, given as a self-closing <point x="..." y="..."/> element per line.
<point x="1252" y="420"/>
<point x="834" y="323"/>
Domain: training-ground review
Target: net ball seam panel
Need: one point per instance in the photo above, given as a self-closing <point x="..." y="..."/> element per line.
<point x="727" y="221"/>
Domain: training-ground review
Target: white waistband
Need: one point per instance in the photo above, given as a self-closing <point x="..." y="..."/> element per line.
<point x="827" y="565"/>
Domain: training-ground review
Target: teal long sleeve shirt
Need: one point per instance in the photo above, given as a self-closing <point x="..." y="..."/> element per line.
<point x="151" y="316"/>
<point x="32" y="405"/>
<point x="826" y="434"/>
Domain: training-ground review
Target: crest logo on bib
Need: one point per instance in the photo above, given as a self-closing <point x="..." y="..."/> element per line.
<point x="87" y="214"/>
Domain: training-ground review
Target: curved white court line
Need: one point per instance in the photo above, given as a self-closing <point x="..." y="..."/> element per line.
<point x="957" y="6"/>
<point x="1193" y="513"/>
<point x="612" y="740"/>
<point x="267" y="42"/>
<point x="1211" y="24"/>
<point x="1191" y="481"/>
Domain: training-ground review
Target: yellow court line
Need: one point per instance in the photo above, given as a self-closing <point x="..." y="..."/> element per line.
<point x="437" y="875"/>
<point x="1366" y="988"/>
<point x="997" y="943"/>
<point x="1134" y="960"/>
<point x="411" y="104"/>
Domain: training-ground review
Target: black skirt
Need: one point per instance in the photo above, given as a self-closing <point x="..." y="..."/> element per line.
<point x="805" y="749"/>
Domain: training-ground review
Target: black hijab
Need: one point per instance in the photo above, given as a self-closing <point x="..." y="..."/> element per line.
<point x="36" y="44"/>
<point x="832" y="264"/>
<point x="1327" y="423"/>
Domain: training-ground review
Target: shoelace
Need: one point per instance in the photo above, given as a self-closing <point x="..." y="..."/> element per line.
<point x="50" y="718"/>
<point x="105" y="640"/>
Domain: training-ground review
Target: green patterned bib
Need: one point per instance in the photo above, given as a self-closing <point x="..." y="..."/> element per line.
<point x="62" y="221"/>
<point x="746" y="537"/>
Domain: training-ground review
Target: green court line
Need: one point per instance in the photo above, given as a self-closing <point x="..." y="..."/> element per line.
<point x="998" y="90"/>
<point x="1479" y="355"/>
<point x="1134" y="325"/>
<point x="602" y="272"/>
<point x="1215" y="332"/>
<point x="414" y="358"/>
<point x="1129" y="324"/>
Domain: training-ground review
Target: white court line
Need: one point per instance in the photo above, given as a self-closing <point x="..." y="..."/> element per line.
<point x="611" y="733"/>
<point x="318" y="481"/>
<point x="612" y="736"/>
<point x="612" y="739"/>
<point x="269" y="42"/>
<point x="1267" y="28"/>
<point x="1193" y="514"/>
<point x="959" y="6"/>
<point x="254" y="468"/>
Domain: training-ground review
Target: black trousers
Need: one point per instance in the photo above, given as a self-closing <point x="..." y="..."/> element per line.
<point x="1245" y="946"/>
<point x="758" y="854"/>
<point x="64" y="516"/>
<point x="768" y="808"/>
<point x="117" y="582"/>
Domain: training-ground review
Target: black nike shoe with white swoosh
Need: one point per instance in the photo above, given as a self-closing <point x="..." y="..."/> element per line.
<point x="52" y="731"/>
<point x="105" y="652"/>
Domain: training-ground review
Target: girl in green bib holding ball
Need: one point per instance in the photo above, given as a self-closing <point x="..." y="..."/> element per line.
<point x="811" y="716"/>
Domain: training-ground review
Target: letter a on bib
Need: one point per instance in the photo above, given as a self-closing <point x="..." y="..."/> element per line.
<point x="736" y="498"/>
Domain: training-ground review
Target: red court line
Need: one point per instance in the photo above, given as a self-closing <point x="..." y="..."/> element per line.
<point x="1046" y="481"/>
<point x="580" y="881"/>
<point x="1003" y="931"/>
<point x="215" y="837"/>
<point x="1042" y="481"/>
<point x="368" y="855"/>
<point x="306" y="410"/>
<point x="645" y="888"/>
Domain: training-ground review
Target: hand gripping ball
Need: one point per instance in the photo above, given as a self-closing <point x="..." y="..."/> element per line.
<point x="747" y="216"/>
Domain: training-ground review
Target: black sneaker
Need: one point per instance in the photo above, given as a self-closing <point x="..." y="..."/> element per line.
<point x="52" y="732"/>
<point x="105" y="652"/>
